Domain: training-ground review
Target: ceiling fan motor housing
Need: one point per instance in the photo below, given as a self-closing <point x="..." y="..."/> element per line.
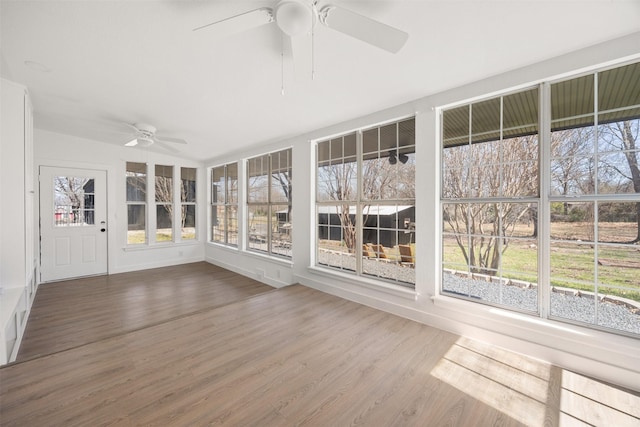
<point x="294" y="17"/>
<point x="145" y="135"/>
<point x="144" y="140"/>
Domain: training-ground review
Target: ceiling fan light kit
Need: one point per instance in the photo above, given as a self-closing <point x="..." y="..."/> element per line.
<point x="295" y="17"/>
<point x="145" y="136"/>
<point x="144" y="141"/>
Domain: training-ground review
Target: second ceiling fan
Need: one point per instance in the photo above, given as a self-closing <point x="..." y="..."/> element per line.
<point x="297" y="18"/>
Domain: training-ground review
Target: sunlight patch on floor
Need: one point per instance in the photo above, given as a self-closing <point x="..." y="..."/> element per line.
<point x="497" y="378"/>
<point x="595" y="403"/>
<point x="533" y="392"/>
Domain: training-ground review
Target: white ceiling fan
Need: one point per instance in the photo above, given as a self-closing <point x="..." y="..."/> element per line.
<point x="298" y="17"/>
<point x="145" y="135"/>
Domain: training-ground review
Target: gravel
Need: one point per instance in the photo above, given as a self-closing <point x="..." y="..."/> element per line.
<point x="565" y="306"/>
<point x="388" y="270"/>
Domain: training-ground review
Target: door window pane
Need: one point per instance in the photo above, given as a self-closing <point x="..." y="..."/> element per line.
<point x="74" y="201"/>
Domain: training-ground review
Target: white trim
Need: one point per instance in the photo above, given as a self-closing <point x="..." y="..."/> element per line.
<point x="544" y="218"/>
<point x="164" y="245"/>
<point x="362" y="281"/>
<point x="281" y="260"/>
<point x="260" y="275"/>
<point x="156" y="264"/>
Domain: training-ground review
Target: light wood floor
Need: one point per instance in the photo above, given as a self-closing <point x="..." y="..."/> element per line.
<point x="76" y="312"/>
<point x="293" y="356"/>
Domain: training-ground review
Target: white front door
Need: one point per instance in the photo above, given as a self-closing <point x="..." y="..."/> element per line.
<point x="73" y="223"/>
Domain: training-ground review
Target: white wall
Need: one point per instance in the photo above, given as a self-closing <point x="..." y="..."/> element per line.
<point x="607" y="356"/>
<point x="53" y="149"/>
<point x="17" y="283"/>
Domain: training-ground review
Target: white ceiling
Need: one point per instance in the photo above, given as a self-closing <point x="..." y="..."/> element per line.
<point x="110" y="62"/>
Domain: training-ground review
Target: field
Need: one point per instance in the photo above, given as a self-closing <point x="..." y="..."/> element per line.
<point x="136" y="237"/>
<point x="574" y="262"/>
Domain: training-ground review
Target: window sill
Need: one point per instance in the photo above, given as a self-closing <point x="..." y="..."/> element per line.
<point x="278" y="260"/>
<point x="146" y="247"/>
<point x="217" y="245"/>
<point x="364" y="282"/>
<point x="489" y="317"/>
<point x="286" y="262"/>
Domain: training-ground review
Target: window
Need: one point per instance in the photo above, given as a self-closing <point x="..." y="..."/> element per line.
<point x="365" y="202"/>
<point x="496" y="157"/>
<point x="188" y="203"/>
<point x="74" y="200"/>
<point x="224" y="204"/>
<point x="490" y="190"/>
<point x="136" y="189"/>
<point x="269" y="203"/>
<point x="164" y="203"/>
<point x="595" y="199"/>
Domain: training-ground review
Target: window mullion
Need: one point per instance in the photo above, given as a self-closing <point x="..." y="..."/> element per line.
<point x="269" y="205"/>
<point x="596" y="179"/>
<point x="242" y="211"/>
<point x="225" y="184"/>
<point x="177" y="204"/>
<point x="544" y="205"/>
<point x="152" y="204"/>
<point x="359" y="198"/>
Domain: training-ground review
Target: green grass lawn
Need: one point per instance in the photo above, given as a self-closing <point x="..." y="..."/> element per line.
<point x="136" y="237"/>
<point x="572" y="265"/>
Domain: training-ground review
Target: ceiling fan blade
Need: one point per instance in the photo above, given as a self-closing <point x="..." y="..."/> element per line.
<point x="131" y="126"/>
<point x="167" y="139"/>
<point x="239" y="23"/>
<point x="166" y="146"/>
<point x="362" y="28"/>
<point x="132" y="143"/>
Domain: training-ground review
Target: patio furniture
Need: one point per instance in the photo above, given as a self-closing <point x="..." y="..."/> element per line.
<point x="380" y="252"/>
<point x="407" y="257"/>
<point x="368" y="251"/>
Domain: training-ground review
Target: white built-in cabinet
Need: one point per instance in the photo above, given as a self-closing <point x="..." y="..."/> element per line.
<point x="17" y="220"/>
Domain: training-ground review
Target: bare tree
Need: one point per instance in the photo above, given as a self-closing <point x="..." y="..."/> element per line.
<point x="339" y="183"/>
<point x="486" y="170"/>
<point x="70" y="191"/>
<point x="571" y="163"/>
<point x="164" y="193"/>
<point x="381" y="180"/>
<point x="187" y="194"/>
<point x="623" y="136"/>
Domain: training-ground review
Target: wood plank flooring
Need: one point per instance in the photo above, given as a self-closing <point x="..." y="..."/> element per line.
<point x="296" y="356"/>
<point x="75" y="312"/>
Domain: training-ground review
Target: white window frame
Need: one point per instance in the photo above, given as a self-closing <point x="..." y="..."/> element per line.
<point x="185" y="204"/>
<point x="546" y="199"/>
<point x="144" y="203"/>
<point x="225" y="205"/>
<point x="164" y="203"/>
<point x="361" y="204"/>
<point x="284" y="249"/>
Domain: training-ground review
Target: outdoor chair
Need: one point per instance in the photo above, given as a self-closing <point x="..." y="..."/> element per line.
<point x="368" y="251"/>
<point x="381" y="253"/>
<point x="407" y="257"/>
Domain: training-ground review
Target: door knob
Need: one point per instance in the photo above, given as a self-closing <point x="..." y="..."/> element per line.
<point x="103" y="229"/>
